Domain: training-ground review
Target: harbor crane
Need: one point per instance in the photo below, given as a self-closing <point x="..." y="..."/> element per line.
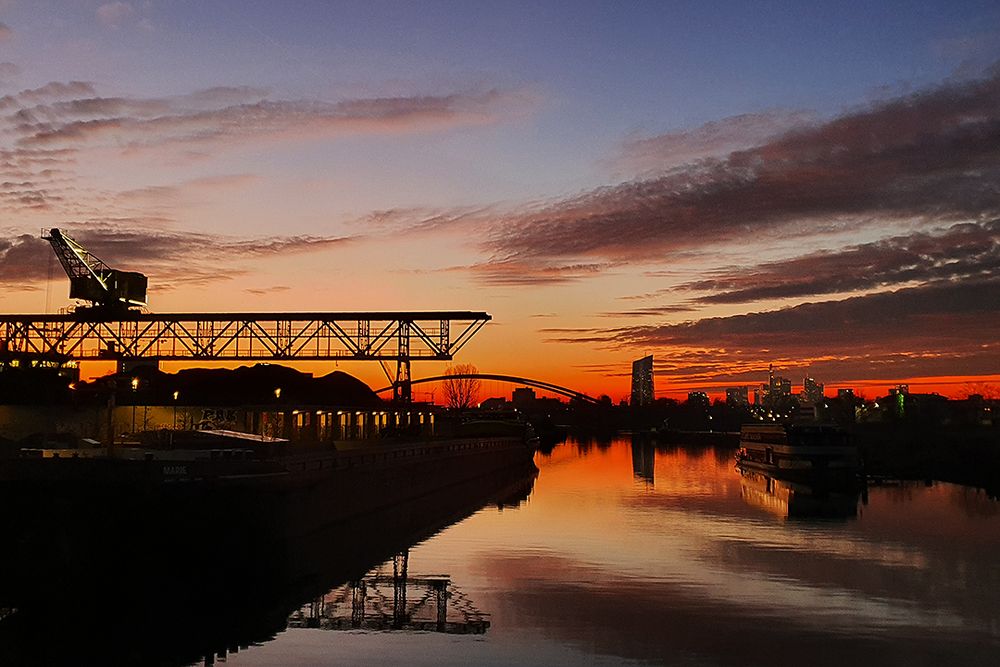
<point x="116" y="326"/>
<point x="111" y="292"/>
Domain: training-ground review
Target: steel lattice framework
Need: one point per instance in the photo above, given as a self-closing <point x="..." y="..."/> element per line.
<point x="375" y="336"/>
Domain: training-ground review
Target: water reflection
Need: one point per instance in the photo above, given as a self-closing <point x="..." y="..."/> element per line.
<point x="799" y="499"/>
<point x="690" y="568"/>
<point x="643" y="459"/>
<point x="201" y="592"/>
<point x="394" y="601"/>
<point x="593" y="568"/>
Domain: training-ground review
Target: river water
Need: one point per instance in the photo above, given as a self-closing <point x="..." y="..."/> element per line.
<point x="629" y="553"/>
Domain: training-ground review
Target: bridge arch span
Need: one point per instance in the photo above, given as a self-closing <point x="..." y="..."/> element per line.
<point x="513" y="379"/>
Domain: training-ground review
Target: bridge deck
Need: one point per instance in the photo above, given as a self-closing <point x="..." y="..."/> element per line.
<point x="380" y="336"/>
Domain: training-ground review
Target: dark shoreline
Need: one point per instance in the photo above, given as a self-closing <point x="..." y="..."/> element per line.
<point x="967" y="455"/>
<point x="962" y="455"/>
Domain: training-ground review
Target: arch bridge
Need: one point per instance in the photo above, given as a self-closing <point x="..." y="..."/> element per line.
<point x="513" y="379"/>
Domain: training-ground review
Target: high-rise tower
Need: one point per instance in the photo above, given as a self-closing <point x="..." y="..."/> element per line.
<point x="642" y="381"/>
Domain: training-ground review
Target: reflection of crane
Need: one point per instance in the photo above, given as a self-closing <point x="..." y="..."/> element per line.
<point x="108" y="290"/>
<point x="428" y="604"/>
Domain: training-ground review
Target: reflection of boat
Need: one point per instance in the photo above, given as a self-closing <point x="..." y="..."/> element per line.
<point x="798" y="451"/>
<point x="798" y="499"/>
<point x="157" y="583"/>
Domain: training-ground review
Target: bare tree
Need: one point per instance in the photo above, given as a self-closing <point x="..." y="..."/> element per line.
<point x="461" y="392"/>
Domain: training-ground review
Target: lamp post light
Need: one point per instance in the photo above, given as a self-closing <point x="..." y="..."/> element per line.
<point x="176" y="394"/>
<point x="274" y="423"/>
<point x="135" y="389"/>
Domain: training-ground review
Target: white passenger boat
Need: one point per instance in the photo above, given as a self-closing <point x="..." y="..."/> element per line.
<point x="798" y="450"/>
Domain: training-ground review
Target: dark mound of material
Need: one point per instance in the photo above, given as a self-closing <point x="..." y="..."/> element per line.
<point x="33" y="386"/>
<point x="256" y="385"/>
<point x="253" y="385"/>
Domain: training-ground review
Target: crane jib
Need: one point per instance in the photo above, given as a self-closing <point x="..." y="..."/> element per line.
<point x="91" y="279"/>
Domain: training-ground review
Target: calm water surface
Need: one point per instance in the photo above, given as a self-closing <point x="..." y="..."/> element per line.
<point x="630" y="554"/>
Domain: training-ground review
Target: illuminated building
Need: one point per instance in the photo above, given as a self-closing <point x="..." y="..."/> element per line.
<point x="738" y="396"/>
<point x="778" y="391"/>
<point x="698" y="398"/>
<point x="812" y="391"/>
<point x="642" y="381"/>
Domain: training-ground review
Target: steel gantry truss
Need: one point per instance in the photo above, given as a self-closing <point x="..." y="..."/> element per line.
<point x="401" y="337"/>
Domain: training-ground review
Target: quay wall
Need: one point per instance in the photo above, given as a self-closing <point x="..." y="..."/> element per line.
<point x="298" y="423"/>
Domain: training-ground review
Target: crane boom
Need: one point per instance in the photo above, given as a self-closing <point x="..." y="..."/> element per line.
<point x="91" y="279"/>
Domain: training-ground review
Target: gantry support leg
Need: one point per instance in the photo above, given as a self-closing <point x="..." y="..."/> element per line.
<point x="402" y="392"/>
<point x="441" y="598"/>
<point x="399" y="566"/>
<point x="401" y="389"/>
<point x="359" y="593"/>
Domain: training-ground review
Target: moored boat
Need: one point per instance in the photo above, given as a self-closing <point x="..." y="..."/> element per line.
<point x="172" y="577"/>
<point x="222" y="475"/>
<point x="800" y="451"/>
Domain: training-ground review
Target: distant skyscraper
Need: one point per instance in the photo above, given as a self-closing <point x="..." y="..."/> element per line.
<point x="737" y="396"/>
<point x="845" y="394"/>
<point x="778" y="391"/>
<point x="642" y="381"/>
<point x="812" y="391"/>
<point x="698" y="398"/>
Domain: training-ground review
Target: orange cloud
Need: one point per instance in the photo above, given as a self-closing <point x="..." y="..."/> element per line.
<point x="940" y="329"/>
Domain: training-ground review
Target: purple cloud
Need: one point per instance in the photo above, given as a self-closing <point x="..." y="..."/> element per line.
<point x="963" y="251"/>
<point x="713" y="139"/>
<point x="930" y="156"/>
<point x="168" y="257"/>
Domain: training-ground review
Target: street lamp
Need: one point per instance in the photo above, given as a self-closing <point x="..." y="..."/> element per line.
<point x="176" y="394"/>
<point x="135" y="389"/>
<point x="277" y="398"/>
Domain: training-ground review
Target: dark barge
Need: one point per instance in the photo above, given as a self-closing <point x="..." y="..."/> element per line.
<point x="166" y="566"/>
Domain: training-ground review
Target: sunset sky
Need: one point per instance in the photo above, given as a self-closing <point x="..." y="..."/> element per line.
<point x="723" y="185"/>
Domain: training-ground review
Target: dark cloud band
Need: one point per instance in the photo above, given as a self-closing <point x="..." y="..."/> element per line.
<point x="932" y="156"/>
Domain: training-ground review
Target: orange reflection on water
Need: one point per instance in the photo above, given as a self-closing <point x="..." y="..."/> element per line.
<point x="633" y="550"/>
